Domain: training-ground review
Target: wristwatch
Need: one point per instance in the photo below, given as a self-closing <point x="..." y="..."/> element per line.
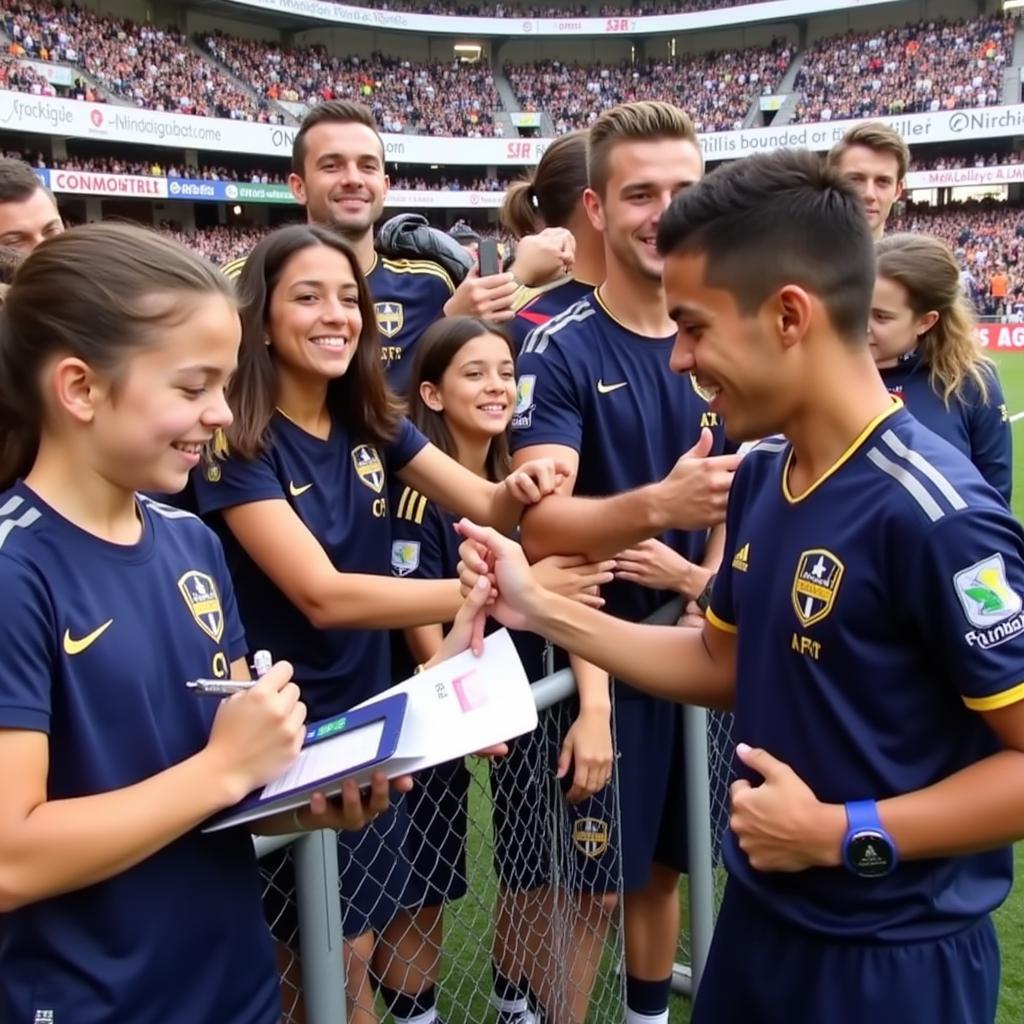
<point x="868" y="850"/>
<point x="704" y="597"/>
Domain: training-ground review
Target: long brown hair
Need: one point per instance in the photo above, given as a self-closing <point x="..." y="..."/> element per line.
<point x="99" y="292"/>
<point x="927" y="269"/>
<point x="548" y="197"/>
<point x="435" y="351"/>
<point x="360" y="399"/>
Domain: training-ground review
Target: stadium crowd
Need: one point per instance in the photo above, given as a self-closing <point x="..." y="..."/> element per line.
<point x="510" y="10"/>
<point x="441" y="98"/>
<point x="716" y="88"/>
<point x="950" y="162"/>
<point x="152" y="67"/>
<point x="927" y="66"/>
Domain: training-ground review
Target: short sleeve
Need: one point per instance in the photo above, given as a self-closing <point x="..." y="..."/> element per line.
<point x="991" y="438"/>
<point x="225" y="483"/>
<point x="548" y="408"/>
<point x="968" y="604"/>
<point x="28" y="634"/>
<point x="408" y="443"/>
<point x="417" y="541"/>
<point x="721" y="611"/>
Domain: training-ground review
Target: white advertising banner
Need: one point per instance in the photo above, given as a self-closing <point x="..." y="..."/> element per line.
<point x="121" y="186"/>
<point x="54" y="116"/>
<point x="435" y="24"/>
<point x="1003" y="174"/>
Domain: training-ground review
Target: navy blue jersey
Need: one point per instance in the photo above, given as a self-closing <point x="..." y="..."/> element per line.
<point x="876" y="615"/>
<point x="408" y="296"/>
<point x="99" y="640"/>
<point x="424" y="544"/>
<point x="975" y="424"/>
<point x="536" y="306"/>
<point x="338" y="488"/>
<point x="589" y="383"/>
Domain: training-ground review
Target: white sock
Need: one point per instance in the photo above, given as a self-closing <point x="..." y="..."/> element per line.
<point x="632" y="1017"/>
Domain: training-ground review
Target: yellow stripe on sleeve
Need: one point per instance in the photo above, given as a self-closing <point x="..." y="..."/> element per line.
<point x="996" y="700"/>
<point x="718" y="623"/>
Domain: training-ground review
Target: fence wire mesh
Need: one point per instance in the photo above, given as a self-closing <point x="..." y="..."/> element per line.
<point x="487" y="866"/>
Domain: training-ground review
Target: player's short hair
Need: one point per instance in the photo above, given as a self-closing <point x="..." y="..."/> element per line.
<point x="776" y="219"/>
<point x="331" y="112"/>
<point x="548" y="197"/>
<point x="18" y="181"/>
<point x="643" y="121"/>
<point x="10" y="259"/>
<point x="877" y="136"/>
<point x="360" y="399"/>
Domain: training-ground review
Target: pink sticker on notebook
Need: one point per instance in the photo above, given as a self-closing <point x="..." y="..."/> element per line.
<point x="470" y="690"/>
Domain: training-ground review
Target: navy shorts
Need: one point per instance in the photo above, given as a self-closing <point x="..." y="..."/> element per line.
<point x="436" y="844"/>
<point x="538" y="837"/>
<point x="374" y="874"/>
<point x="763" y="970"/>
<point x="652" y="785"/>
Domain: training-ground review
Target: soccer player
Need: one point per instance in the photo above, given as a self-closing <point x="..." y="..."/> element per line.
<point x="116" y="347"/>
<point x="924" y="341"/>
<point x="462" y="396"/>
<point x="866" y="627"/>
<point x="28" y="211"/>
<point x="301" y="502"/>
<point x="596" y="391"/>
<point x="875" y="159"/>
<point x="338" y="175"/>
<point x="552" y="196"/>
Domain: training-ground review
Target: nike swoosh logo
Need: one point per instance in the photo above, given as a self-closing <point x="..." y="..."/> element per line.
<point x="73" y="646"/>
<point x="296" y="491"/>
<point x="607" y="389"/>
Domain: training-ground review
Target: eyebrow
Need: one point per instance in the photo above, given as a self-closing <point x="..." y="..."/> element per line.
<point x="206" y="371"/>
<point x="341" y="156"/>
<point x="682" y="312"/>
<point x="310" y="283"/>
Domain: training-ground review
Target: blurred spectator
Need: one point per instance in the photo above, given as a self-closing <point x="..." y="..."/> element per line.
<point x="927" y="66"/>
<point x="715" y="89"/>
<point x="154" y="68"/>
<point x="440" y="98"/>
<point x="955" y="163"/>
<point x="514" y="10"/>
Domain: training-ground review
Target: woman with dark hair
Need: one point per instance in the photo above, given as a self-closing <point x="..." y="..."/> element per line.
<point x="299" y="494"/>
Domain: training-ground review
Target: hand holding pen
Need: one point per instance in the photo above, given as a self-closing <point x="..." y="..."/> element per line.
<point x="261" y="663"/>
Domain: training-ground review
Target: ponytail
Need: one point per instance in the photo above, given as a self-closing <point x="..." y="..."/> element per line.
<point x="518" y="212"/>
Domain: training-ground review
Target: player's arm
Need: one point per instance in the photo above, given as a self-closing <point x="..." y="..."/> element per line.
<point x="277" y="540"/>
<point x="692" y="497"/>
<point x="991" y="438"/>
<point x="686" y="665"/>
<point x="449" y="484"/>
<point x="255" y="736"/>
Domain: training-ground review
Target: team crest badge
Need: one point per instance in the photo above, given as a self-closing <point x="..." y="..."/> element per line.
<point x="405" y="557"/>
<point x="818" y="575"/>
<point x="390" y="317"/>
<point x="369" y="468"/>
<point x="212" y="472"/>
<point x="590" y="836"/>
<point x="200" y="594"/>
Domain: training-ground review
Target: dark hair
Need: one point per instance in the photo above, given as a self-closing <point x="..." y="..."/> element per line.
<point x="775" y="219"/>
<point x="18" y="181"/>
<point x="641" y="121"/>
<point x="439" y="345"/>
<point x="877" y="136"/>
<point x="331" y="112"/>
<point x="98" y="292"/>
<point x="10" y="260"/>
<point x="548" y="197"/>
<point x="360" y="399"/>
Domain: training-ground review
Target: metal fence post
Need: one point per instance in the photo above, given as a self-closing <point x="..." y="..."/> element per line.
<point x="701" y="880"/>
<point x="320" y="937"/>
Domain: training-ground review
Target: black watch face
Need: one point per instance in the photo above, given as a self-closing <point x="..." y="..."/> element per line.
<point x="869" y="855"/>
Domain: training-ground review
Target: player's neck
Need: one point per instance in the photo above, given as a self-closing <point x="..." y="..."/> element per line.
<point x="303" y="399"/>
<point x="361" y="244"/>
<point x="636" y="301"/>
<point x="588" y="265"/>
<point x="839" y="406"/>
<point x="93" y="503"/>
<point x="471" y="452"/>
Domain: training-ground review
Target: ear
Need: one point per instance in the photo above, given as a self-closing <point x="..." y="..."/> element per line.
<point x="298" y="187"/>
<point x="926" y="322"/>
<point x="793" y="312"/>
<point x="592" y="204"/>
<point x="77" y="388"/>
<point x="431" y="396"/>
<point x="387" y="185"/>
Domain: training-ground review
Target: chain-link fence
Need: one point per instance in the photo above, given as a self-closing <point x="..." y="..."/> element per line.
<point x="487" y="889"/>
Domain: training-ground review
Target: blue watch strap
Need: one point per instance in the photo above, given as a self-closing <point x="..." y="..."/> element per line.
<point x="863" y="814"/>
